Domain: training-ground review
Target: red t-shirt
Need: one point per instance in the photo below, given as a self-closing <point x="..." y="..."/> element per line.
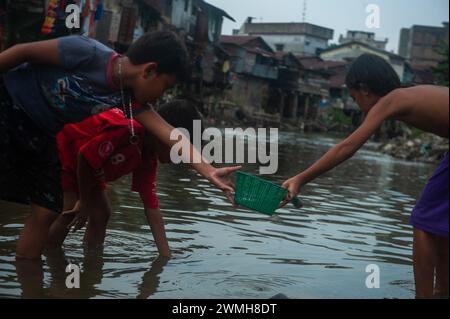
<point x="104" y="141"/>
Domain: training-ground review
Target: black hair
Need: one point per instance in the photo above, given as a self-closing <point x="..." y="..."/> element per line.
<point x="373" y="73"/>
<point x="164" y="48"/>
<point x="181" y="114"/>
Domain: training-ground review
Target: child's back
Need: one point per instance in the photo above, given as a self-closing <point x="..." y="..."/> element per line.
<point x="425" y="107"/>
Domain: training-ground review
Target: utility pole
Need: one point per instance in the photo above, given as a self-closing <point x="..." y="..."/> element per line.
<point x="305" y="9"/>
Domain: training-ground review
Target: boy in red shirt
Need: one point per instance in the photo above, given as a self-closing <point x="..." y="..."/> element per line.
<point x="100" y="150"/>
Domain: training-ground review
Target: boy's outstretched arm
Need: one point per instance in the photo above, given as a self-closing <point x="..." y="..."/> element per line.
<point x="384" y="109"/>
<point x="156" y="223"/>
<point x="220" y="177"/>
<point x="42" y="52"/>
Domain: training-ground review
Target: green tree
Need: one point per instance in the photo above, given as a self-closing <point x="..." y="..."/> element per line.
<point x="441" y="70"/>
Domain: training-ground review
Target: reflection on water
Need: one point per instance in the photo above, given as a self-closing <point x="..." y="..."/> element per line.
<point x="354" y="216"/>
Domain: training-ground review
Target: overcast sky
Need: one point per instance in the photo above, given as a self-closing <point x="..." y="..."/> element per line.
<point x="340" y="15"/>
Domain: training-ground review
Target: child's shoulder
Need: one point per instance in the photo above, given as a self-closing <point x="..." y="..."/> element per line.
<point x="79" y="47"/>
<point x="78" y="38"/>
<point x="419" y="94"/>
<point x="422" y="89"/>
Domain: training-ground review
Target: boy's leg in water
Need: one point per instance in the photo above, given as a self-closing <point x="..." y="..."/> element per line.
<point x="92" y="274"/>
<point x="34" y="234"/>
<point x="442" y="270"/>
<point x="57" y="263"/>
<point x="430" y="221"/>
<point x="45" y="194"/>
<point x="30" y="275"/>
<point x="29" y="173"/>
<point x="99" y="214"/>
<point x="46" y="199"/>
<point x="59" y="230"/>
<point x="424" y="259"/>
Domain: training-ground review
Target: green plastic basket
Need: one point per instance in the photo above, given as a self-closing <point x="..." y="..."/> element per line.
<point x="258" y="194"/>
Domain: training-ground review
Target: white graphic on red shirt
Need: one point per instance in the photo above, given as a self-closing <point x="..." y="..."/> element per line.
<point x="105" y="149"/>
<point x="118" y="159"/>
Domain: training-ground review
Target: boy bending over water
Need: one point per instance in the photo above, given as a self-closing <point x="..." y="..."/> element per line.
<point x="45" y="85"/>
<point x="99" y="150"/>
<point x="375" y="87"/>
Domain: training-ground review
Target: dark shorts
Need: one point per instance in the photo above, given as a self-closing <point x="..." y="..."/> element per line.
<point x="29" y="163"/>
<point x="431" y="211"/>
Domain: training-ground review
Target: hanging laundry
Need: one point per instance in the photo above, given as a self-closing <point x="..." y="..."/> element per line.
<point x="99" y="11"/>
<point x="91" y="26"/>
<point x="226" y="66"/>
<point x="86" y="8"/>
<point x="49" y="22"/>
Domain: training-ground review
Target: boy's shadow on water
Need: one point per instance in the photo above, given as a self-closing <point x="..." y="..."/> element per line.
<point x="31" y="276"/>
<point x="151" y="279"/>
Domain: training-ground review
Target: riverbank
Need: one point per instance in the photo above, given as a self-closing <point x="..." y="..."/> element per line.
<point x="418" y="147"/>
<point x="426" y="147"/>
